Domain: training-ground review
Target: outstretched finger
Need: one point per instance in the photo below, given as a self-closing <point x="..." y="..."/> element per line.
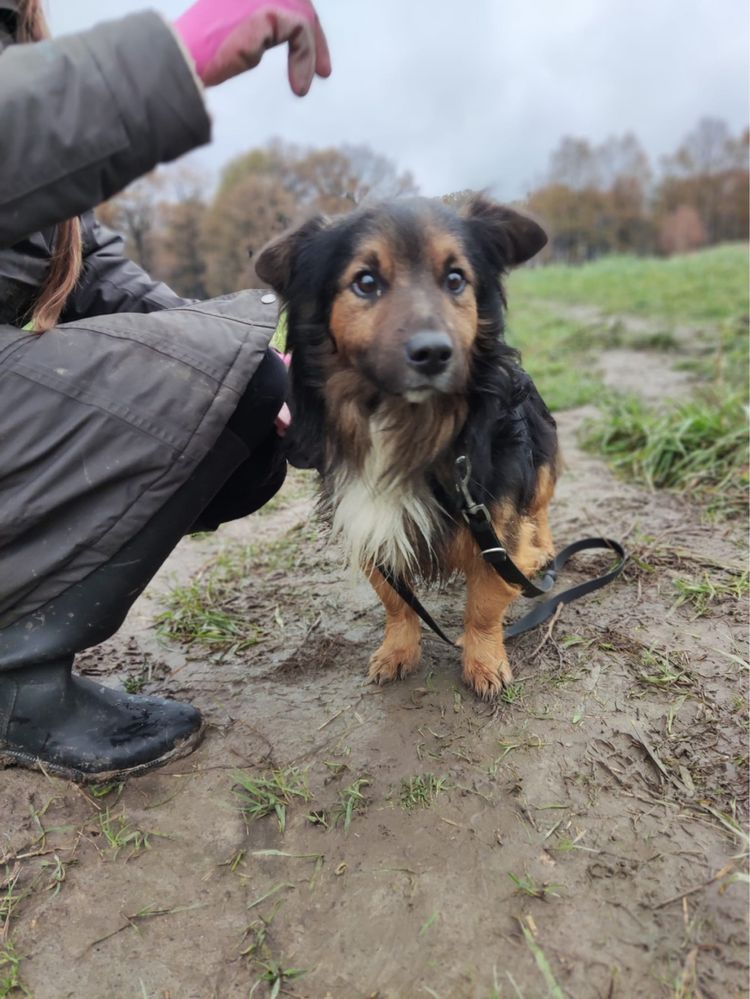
<point x="302" y="58"/>
<point x="322" y="54"/>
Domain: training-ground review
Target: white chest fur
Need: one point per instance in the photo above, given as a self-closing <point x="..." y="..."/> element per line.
<point x="380" y="517"/>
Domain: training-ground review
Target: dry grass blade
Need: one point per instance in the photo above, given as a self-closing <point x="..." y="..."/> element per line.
<point x="554" y="991"/>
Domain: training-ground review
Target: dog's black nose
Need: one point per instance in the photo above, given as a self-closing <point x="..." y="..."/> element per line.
<point x="429" y="352"/>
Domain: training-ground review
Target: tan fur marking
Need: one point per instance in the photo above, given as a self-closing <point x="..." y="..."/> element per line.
<point x="373" y="253"/>
<point x="348" y="396"/>
<point x="402" y="645"/>
<point x="355" y="322"/>
<point x="545" y="488"/>
<point x="445" y="250"/>
<point x="540" y="510"/>
<point x="464" y="322"/>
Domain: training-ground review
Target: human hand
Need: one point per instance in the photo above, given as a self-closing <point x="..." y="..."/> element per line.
<point x="283" y="420"/>
<point x="227" y="37"/>
<point x="284" y="417"/>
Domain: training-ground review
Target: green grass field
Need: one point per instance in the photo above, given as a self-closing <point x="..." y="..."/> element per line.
<point x="694" y="309"/>
<point x="710" y="285"/>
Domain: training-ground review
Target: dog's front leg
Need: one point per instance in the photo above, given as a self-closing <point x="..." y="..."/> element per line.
<point x="486" y="667"/>
<point x="402" y="646"/>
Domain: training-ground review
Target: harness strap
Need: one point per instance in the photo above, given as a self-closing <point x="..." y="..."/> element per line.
<point x="494" y="552"/>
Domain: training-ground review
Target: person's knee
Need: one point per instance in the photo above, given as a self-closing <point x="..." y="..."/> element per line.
<point x="251" y="486"/>
<point x="261" y="401"/>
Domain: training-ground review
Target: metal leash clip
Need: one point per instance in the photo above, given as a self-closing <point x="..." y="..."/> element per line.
<point x="470" y="510"/>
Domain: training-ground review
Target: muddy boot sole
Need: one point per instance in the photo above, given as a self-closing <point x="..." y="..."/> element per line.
<point x="17" y="758"/>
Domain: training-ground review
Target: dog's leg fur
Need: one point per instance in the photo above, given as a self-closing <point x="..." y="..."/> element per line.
<point x="402" y="646"/>
<point x="486" y="667"/>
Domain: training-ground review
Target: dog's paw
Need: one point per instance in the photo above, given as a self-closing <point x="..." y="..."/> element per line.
<point x="392" y="663"/>
<point x="487" y="679"/>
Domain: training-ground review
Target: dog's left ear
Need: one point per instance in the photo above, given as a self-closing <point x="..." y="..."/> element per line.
<point x="275" y="262"/>
<point x="514" y="237"/>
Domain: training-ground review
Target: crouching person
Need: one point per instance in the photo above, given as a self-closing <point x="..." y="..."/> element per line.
<point x="128" y="416"/>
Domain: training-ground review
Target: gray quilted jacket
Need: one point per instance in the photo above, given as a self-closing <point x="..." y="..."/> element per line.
<point x="104" y="417"/>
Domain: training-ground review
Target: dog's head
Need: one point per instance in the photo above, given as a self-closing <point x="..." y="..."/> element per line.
<point x="396" y="302"/>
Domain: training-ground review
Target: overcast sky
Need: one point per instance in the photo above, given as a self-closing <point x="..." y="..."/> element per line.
<point x="476" y="93"/>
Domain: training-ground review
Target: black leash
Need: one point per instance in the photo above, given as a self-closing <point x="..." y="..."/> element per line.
<point x="493" y="551"/>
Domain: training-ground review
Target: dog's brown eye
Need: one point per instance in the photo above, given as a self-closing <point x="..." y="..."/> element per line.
<point x="455" y="282"/>
<point x="366" y="285"/>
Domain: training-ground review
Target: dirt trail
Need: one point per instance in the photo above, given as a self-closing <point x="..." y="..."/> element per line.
<point x="580" y="844"/>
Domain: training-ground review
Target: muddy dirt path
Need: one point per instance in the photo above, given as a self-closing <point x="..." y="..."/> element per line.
<point x="578" y="839"/>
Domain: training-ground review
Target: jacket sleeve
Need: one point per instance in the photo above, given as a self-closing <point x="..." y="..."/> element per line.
<point x="82" y="116"/>
<point x="110" y="282"/>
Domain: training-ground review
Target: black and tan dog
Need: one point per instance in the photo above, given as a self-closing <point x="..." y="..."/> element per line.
<point x="399" y="365"/>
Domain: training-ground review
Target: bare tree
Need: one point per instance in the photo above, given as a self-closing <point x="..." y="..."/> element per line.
<point x="136" y="213"/>
<point x="574" y="164"/>
<point x="709" y="171"/>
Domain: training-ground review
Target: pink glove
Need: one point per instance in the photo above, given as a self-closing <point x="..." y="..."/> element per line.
<point x="226" y="37"/>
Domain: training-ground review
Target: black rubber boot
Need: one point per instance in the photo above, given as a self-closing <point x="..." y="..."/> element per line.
<point x="55" y="721"/>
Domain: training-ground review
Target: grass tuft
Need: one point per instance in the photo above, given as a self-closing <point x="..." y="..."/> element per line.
<point x="10" y="896"/>
<point x="198" y="613"/>
<point x="510" y="693"/>
<point x="10" y="972"/>
<point x="120" y="834"/>
<point x="421" y="791"/>
<point x="664" y="670"/>
<point x="698" y="447"/>
<point x="351" y="801"/>
<point x="274" y="973"/>
<point x="526" y="885"/>
<point x="705" y="591"/>
<point x="211" y="609"/>
<point x="554" y="990"/>
<point x="134" y="684"/>
<point x="271" y="793"/>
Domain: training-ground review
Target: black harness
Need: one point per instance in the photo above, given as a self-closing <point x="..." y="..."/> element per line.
<point x="494" y="552"/>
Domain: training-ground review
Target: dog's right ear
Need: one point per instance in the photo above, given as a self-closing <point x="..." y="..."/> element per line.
<point x="275" y="263"/>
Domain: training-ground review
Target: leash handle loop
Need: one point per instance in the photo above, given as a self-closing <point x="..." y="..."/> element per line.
<point x="546" y="608"/>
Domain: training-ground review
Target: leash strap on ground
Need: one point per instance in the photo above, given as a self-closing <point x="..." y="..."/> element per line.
<point x="546" y="608"/>
<point x="494" y="552"/>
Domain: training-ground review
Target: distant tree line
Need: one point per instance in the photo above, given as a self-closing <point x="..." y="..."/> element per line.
<point x="593" y="200"/>
<point x="608" y="199"/>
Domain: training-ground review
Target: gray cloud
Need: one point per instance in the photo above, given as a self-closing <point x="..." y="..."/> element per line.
<point x="476" y="94"/>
